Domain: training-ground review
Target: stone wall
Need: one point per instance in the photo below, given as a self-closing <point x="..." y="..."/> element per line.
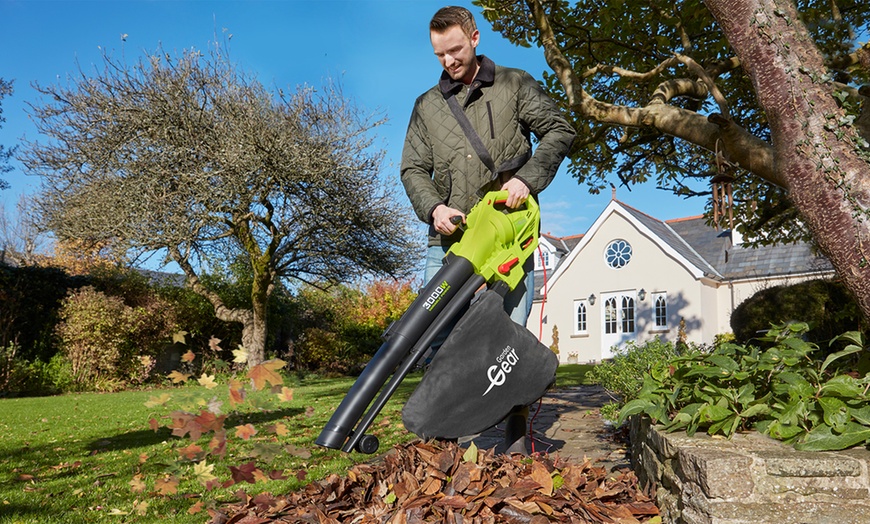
<point x="749" y="478"/>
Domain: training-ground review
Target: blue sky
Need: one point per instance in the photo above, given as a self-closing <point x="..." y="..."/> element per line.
<point x="378" y="49"/>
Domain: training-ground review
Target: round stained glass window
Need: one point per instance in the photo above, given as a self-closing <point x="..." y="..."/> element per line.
<point x="618" y="254"/>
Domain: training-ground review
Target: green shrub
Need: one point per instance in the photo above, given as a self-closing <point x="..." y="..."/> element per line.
<point x="825" y="305"/>
<point x="106" y="341"/>
<point x="622" y="376"/>
<point x="780" y="389"/>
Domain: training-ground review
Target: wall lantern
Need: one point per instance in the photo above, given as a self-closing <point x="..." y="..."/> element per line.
<point x="592" y="299"/>
<point x="641" y="294"/>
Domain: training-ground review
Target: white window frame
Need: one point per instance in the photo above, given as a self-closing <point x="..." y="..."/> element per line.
<point x="576" y="315"/>
<point x="654" y="300"/>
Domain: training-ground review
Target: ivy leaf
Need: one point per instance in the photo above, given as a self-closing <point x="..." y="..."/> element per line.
<point x="266" y="372"/>
<point x="188" y="357"/>
<point x="203" y="472"/>
<point x="842" y="386"/>
<point x="823" y="438"/>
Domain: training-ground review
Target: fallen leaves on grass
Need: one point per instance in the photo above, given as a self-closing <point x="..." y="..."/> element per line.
<point x="441" y="482"/>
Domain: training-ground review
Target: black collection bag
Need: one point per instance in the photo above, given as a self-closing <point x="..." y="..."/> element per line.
<point x="487" y="366"/>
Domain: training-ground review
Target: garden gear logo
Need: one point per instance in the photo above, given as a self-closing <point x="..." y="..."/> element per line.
<point x="497" y="373"/>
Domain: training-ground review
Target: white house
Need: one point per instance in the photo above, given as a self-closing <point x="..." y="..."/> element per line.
<point x="634" y="277"/>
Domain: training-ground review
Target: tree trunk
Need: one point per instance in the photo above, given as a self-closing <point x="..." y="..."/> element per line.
<point x="814" y="151"/>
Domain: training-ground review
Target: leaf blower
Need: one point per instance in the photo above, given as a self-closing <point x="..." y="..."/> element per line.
<point x="487" y="364"/>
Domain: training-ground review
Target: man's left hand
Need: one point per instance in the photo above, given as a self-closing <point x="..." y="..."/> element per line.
<point x="518" y="192"/>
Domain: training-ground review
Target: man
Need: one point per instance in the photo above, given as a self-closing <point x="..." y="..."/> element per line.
<point x="445" y="173"/>
<point x="442" y="172"/>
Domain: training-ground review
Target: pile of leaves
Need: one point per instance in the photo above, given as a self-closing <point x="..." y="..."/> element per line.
<point x="442" y="482"/>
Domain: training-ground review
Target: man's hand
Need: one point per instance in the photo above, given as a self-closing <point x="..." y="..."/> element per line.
<point x="441" y="219"/>
<point x="518" y="192"/>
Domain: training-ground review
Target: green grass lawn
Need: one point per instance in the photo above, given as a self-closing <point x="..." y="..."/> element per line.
<point x="93" y="458"/>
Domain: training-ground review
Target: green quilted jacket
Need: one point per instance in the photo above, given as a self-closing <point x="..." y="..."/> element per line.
<point x="505" y="106"/>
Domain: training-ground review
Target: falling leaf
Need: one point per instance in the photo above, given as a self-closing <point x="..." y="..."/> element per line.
<point x="207" y="381"/>
<point x="153" y="424"/>
<point x="309" y="411"/>
<point x="153" y="402"/>
<point x="286" y="394"/>
<point x="297" y="452"/>
<point x="266" y="451"/>
<point x="237" y="394"/>
<point x="188" y="357"/>
<point x="178" y="377"/>
<point x="166" y="485"/>
<point x="245" y="472"/>
<point x="246" y="432"/>
<point x="190" y="452"/>
<point x="214" y="405"/>
<point x="266" y="372"/>
<point x="178" y="337"/>
<point x="280" y="429"/>
<point x="203" y="473"/>
<point x="240" y="356"/>
<point x="214" y="344"/>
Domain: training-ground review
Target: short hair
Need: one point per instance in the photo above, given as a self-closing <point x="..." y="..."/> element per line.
<point x="447" y="17"/>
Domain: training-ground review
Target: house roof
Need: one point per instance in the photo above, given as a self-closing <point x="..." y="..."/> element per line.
<point x="703" y="250"/>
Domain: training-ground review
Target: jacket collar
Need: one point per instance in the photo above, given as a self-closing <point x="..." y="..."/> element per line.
<point x="485" y="77"/>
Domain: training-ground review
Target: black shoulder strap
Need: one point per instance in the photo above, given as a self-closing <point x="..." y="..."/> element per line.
<point x="471" y="134"/>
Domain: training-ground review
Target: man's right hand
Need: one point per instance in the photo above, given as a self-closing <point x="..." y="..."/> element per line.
<point x="441" y="219"/>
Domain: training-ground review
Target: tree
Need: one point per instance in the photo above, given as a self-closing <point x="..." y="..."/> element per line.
<point x="5" y="153"/>
<point x="757" y="91"/>
<point x="189" y="155"/>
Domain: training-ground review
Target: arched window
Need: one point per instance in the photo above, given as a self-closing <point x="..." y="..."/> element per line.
<point x="660" y="310"/>
<point x="580" y="325"/>
<point x="627" y="315"/>
<point x="610" y="316"/>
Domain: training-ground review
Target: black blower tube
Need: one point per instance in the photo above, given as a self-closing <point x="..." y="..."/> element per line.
<point x="439" y="302"/>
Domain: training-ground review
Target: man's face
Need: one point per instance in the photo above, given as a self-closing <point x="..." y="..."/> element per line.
<point x="455" y="51"/>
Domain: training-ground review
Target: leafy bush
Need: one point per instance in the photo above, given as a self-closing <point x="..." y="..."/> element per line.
<point x="20" y="377"/>
<point x="826" y="305"/>
<point x="622" y="376"/>
<point x="782" y="391"/>
<point x="106" y="340"/>
<point x="339" y="330"/>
